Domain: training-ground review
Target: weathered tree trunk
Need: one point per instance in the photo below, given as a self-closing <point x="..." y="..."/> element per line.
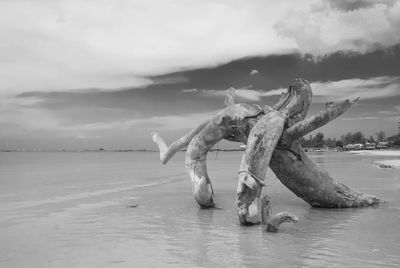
<point x="271" y="137"/>
<point x="313" y="184"/>
<point x="261" y="143"/>
<point x="229" y="123"/>
<point x="303" y="177"/>
<point x="196" y="165"/>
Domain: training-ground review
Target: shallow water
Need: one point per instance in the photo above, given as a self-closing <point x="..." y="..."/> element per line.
<point x="75" y="210"/>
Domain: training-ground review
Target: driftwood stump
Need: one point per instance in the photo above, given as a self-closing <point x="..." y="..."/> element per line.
<point x="271" y="222"/>
<point x="271" y="136"/>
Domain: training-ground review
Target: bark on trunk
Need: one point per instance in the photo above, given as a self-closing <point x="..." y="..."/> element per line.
<point x="271" y="222"/>
<point x="313" y="122"/>
<point x="288" y="161"/>
<point x="261" y="143"/>
<point x="313" y="184"/>
<point x="228" y="123"/>
<point x="166" y="152"/>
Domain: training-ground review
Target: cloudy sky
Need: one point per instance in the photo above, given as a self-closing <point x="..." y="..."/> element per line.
<point x="97" y="73"/>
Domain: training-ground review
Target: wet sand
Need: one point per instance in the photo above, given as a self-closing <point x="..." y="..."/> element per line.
<point x="127" y="210"/>
<point x="393" y="155"/>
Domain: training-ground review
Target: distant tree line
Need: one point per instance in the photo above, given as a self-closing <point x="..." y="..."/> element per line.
<point x="319" y="141"/>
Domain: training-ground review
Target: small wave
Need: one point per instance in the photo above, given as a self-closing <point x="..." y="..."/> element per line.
<point x="377" y="153"/>
<point x="83" y="195"/>
<point x="392" y="163"/>
<point x="60" y="199"/>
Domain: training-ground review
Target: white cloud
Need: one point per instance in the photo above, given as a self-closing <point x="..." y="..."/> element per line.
<point x="377" y="87"/>
<point x="189" y="90"/>
<point x="87" y="137"/>
<point x="395" y="111"/>
<point x="254" y="72"/>
<point x="321" y="29"/>
<point x="274" y="92"/>
<point x="172" y="122"/>
<point x="18" y="118"/>
<point x="60" y="45"/>
<point x="12" y="111"/>
<point x="247" y="93"/>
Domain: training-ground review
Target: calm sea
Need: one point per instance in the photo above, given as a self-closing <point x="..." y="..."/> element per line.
<point x="79" y="210"/>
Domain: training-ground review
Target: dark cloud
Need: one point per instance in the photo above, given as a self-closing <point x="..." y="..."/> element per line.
<point x="349" y="5"/>
<point x="279" y="71"/>
<point x="100" y="106"/>
<point x="170" y="95"/>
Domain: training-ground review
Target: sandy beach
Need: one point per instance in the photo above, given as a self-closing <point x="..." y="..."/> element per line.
<point x="127" y="210"/>
<point x="377" y="152"/>
<point x="385" y="163"/>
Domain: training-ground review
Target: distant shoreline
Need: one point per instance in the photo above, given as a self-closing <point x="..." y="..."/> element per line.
<point x="382" y="163"/>
<point x="393" y="152"/>
<point x="387" y="152"/>
<point x="103" y="151"/>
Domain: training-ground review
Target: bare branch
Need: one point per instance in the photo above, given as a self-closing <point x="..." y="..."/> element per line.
<point x="166" y="152"/>
<point x="316" y="121"/>
<point x="230" y="97"/>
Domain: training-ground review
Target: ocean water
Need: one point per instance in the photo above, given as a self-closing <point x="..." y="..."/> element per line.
<point x="109" y="209"/>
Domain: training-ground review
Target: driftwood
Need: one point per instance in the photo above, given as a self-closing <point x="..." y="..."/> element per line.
<point x="271" y="137"/>
<point x="271" y="222"/>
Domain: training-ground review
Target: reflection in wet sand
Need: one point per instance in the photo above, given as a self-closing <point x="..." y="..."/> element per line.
<point x="80" y="217"/>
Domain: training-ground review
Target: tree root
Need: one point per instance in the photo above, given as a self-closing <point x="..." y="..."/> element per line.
<point x="271" y="222"/>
